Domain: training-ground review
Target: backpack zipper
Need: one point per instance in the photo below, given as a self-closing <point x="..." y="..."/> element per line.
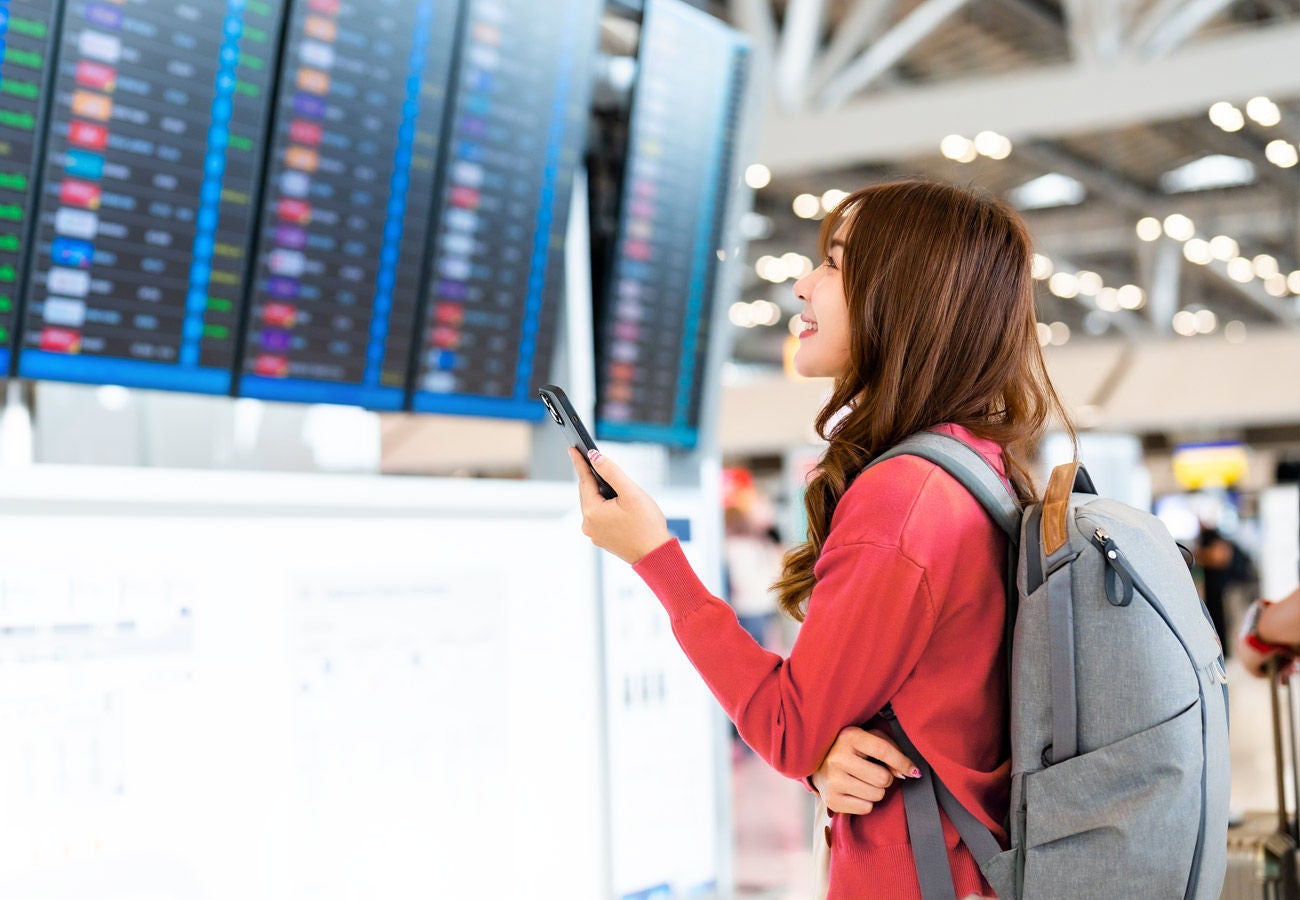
<point x="1103" y="541"/>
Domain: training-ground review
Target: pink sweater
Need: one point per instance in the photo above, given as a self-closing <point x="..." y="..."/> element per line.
<point x="908" y="608"/>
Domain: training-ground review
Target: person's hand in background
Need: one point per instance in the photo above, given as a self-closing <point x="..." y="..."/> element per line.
<point x="1269" y="629"/>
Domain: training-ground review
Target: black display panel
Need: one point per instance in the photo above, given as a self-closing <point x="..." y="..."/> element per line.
<point x="26" y="51"/>
<point x="349" y="196"/>
<point x="653" y="327"/>
<point x="150" y="183"/>
<point x="518" y="126"/>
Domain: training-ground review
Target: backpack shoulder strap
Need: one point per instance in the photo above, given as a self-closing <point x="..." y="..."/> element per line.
<point x="963" y="463"/>
<point x="923" y="798"/>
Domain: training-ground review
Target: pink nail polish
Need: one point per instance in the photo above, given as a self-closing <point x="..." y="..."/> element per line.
<point x="594" y="455"/>
<point x="915" y="773"/>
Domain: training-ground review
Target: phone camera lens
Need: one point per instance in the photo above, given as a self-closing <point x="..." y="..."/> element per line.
<point x="551" y="410"/>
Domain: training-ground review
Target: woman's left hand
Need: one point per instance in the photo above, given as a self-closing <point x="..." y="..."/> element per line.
<point x="630" y="525"/>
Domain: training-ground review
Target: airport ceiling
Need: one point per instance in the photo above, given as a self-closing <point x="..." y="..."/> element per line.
<point x="1108" y="111"/>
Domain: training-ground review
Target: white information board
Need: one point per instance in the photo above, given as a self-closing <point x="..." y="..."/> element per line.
<point x="221" y="685"/>
<point x="664" y="729"/>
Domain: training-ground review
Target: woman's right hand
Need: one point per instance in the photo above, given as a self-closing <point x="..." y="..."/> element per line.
<point x="859" y="768"/>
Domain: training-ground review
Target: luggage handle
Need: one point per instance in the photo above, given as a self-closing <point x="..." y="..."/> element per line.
<point x="1276" y="667"/>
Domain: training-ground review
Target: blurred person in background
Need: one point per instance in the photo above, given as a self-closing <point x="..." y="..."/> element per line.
<point x="1224" y="566"/>
<point x="752" y="556"/>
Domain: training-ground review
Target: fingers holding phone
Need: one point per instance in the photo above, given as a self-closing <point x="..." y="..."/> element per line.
<point x="630" y="525"/>
<point x="563" y="414"/>
<point x="617" y="514"/>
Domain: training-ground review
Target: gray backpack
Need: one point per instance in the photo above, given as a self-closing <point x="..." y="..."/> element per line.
<point x="1119" y="725"/>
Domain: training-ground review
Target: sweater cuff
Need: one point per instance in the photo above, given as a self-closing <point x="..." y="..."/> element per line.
<point x="668" y="573"/>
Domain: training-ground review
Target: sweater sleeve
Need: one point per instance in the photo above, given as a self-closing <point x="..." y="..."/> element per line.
<point x="869" y="618"/>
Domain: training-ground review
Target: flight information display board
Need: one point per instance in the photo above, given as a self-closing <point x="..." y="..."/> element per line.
<point x="348" y="201"/>
<point x="26" y="49"/>
<point x="151" y="179"/>
<point x="517" y="131"/>
<point x="654" y="328"/>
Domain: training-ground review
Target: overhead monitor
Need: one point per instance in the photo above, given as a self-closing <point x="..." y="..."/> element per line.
<point x="27" y="34"/>
<point x="653" y="324"/>
<point x="516" y="133"/>
<point x="150" y="181"/>
<point x="349" y="195"/>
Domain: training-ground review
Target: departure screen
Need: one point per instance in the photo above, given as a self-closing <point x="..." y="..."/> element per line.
<point x="517" y="129"/>
<point x="653" y="337"/>
<point x="26" y="48"/>
<point x="348" y="201"/>
<point x="150" y="180"/>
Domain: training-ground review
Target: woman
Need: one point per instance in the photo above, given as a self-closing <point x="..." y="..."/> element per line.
<point x="922" y="312"/>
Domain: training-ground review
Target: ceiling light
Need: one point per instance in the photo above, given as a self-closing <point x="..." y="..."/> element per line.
<point x="970" y="154"/>
<point x="1223" y="247"/>
<point x="956" y="147"/>
<point x="1130" y="296"/>
<point x="796" y="264"/>
<point x="1044" y="334"/>
<point x="832" y="198"/>
<point x="1240" y="269"/>
<point x="765" y="312"/>
<point x="1148" y="229"/>
<point x="1064" y="284"/>
<point x="806" y="206"/>
<point x="1227" y="116"/>
<point x="1046" y="191"/>
<point x="1281" y="154"/>
<point x="1179" y="227"/>
<point x="1041" y="267"/>
<point x="772" y="269"/>
<point x="1108" y="299"/>
<point x="1264" y="111"/>
<point x="1276" y="285"/>
<point x="1198" y="251"/>
<point x="1293" y="282"/>
<point x="1208" y="172"/>
<point x="992" y="145"/>
<point x="1185" y="322"/>
<point x="1205" y="320"/>
<point x="741" y="314"/>
<point x="1235" y="332"/>
<point x="1264" y="265"/>
<point x="758" y="176"/>
<point x="1060" y="333"/>
<point x="1090" y="283"/>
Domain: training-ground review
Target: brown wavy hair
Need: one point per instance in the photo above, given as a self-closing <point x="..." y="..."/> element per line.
<point x="942" y="330"/>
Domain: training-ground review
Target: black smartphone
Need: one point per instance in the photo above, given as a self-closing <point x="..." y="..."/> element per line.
<point x="561" y="410"/>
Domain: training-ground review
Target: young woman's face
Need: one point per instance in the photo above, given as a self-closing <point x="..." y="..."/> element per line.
<point x="824" y="339"/>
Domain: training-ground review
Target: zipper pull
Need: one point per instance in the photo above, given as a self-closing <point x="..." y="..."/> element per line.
<point x="1119" y="583"/>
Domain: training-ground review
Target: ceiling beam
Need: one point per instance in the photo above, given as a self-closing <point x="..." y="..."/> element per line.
<point x="888" y="50"/>
<point x="867" y="19"/>
<point x="1042" y="102"/>
<point x="801" y="34"/>
<point x="1168" y="26"/>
